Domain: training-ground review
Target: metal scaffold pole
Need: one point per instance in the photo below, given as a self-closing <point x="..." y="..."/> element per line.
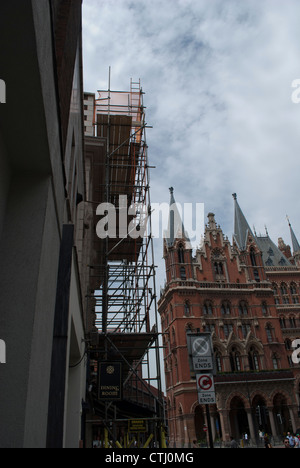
<point x="125" y="333"/>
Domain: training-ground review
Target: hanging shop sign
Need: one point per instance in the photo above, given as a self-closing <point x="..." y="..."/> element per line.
<point x="110" y="381"/>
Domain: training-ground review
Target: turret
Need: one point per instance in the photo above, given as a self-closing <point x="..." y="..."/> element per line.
<point x="246" y="243"/>
<point x="177" y="246"/>
<point x="295" y="245"/>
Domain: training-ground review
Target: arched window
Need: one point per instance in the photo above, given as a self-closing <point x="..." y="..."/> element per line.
<point x="228" y="328"/>
<point x="183" y="273"/>
<point x="207" y="308"/>
<point x="292" y="322"/>
<point x="252" y="257"/>
<point x="235" y="360"/>
<point x="218" y="360"/>
<point x="293" y="288"/>
<point x="283" y="289"/>
<point x="253" y="359"/>
<point x="269" y="332"/>
<point x="181" y="254"/>
<point x="246" y="328"/>
<point x="219" y="270"/>
<point x="275" y="292"/>
<point x="275" y="361"/>
<point x="243" y="308"/>
<point x="225" y="308"/>
<point x="282" y="322"/>
<point x="218" y="267"/>
<point x="295" y="297"/>
<point x="189" y="328"/>
<point x="288" y="344"/>
<point x="256" y="275"/>
<point x="187" y="309"/>
<point x="264" y="308"/>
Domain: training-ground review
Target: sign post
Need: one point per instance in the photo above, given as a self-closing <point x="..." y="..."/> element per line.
<point x="202" y="364"/>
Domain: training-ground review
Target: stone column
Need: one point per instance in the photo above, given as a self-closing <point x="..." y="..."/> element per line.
<point x="253" y="436"/>
<point x="224" y="415"/>
<point x="272" y="422"/>
<point x="292" y="418"/>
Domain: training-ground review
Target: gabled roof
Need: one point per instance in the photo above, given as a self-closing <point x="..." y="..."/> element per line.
<point x="272" y="256"/>
<point x="241" y="226"/>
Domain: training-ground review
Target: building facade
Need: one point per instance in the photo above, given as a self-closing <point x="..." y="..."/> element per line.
<point x="41" y="185"/>
<point x="246" y="293"/>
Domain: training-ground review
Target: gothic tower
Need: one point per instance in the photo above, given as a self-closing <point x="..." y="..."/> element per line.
<point x="177" y="246"/>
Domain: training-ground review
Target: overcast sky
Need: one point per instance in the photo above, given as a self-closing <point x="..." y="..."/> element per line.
<point x="218" y="81"/>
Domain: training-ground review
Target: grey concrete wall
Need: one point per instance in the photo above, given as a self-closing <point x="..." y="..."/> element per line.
<point x="24" y="304"/>
<point x="32" y="213"/>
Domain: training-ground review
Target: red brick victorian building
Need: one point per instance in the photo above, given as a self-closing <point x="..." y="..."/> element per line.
<point x="246" y="293"/>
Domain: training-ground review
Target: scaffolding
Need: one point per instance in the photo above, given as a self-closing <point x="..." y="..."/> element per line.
<point x="122" y="273"/>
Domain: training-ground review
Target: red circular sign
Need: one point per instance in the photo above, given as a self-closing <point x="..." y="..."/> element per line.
<point x="205" y="382"/>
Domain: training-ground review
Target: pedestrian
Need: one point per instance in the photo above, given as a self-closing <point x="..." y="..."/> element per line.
<point x="286" y="443"/>
<point x="268" y="444"/>
<point x="261" y="436"/>
<point x="291" y="439"/>
<point x="233" y="443"/>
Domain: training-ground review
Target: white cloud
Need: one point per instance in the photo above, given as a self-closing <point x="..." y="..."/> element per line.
<point x="217" y="77"/>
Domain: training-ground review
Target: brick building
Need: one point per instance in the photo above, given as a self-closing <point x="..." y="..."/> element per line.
<point x="246" y="293"/>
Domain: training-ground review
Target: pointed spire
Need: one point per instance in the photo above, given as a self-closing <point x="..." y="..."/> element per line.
<point x="241" y="226"/>
<point x="175" y="227"/>
<point x="295" y="243"/>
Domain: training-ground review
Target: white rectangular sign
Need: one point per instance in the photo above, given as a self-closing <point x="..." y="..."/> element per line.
<point x="204" y="363"/>
<point x="207" y="398"/>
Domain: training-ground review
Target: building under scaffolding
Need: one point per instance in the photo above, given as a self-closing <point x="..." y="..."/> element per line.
<point x="120" y="285"/>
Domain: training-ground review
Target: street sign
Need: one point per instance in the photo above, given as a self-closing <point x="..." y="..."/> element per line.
<point x="204" y="363"/>
<point x="201" y="345"/>
<point x="201" y="352"/>
<point x="206" y="389"/>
